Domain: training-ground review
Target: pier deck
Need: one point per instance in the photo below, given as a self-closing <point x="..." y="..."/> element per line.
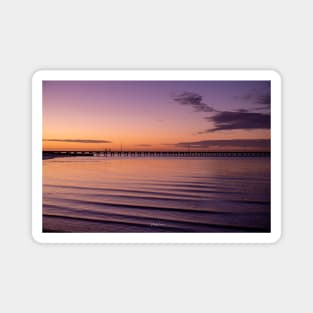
<point x="157" y="153"/>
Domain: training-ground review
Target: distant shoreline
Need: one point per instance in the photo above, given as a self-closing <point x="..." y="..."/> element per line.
<point x="51" y="156"/>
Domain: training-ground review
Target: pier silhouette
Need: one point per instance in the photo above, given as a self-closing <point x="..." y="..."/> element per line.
<point x="107" y="153"/>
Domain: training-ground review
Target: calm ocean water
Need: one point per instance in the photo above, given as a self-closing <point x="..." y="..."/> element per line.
<point x="98" y="194"/>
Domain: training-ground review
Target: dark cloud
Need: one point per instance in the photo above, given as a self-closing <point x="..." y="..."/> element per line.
<point x="143" y="145"/>
<point x="193" y="99"/>
<point x="259" y="99"/>
<point x="259" y="144"/>
<point x="228" y="120"/>
<point x="79" y="140"/>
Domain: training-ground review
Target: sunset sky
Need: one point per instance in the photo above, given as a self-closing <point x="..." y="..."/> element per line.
<point x="156" y="115"/>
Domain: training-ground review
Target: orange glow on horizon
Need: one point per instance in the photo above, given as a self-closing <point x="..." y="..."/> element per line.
<point x="137" y="117"/>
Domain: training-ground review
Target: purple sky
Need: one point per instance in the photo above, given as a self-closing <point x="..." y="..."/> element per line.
<point x="154" y="113"/>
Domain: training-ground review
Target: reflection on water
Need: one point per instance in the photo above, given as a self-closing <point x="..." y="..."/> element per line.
<point x="98" y="194"/>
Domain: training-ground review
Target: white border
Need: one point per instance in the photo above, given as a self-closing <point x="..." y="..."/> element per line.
<point x="42" y="75"/>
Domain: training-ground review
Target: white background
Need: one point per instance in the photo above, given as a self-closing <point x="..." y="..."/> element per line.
<point x="43" y="75"/>
<point x="155" y="34"/>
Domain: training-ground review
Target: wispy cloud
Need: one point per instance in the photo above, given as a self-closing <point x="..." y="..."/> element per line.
<point x="244" y="118"/>
<point x="193" y="99"/>
<point x="259" y="99"/>
<point x="228" y="120"/>
<point x="79" y="140"/>
<point x="143" y="145"/>
<point x="263" y="144"/>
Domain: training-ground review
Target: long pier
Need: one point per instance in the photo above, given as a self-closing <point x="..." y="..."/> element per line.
<point x="47" y="154"/>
